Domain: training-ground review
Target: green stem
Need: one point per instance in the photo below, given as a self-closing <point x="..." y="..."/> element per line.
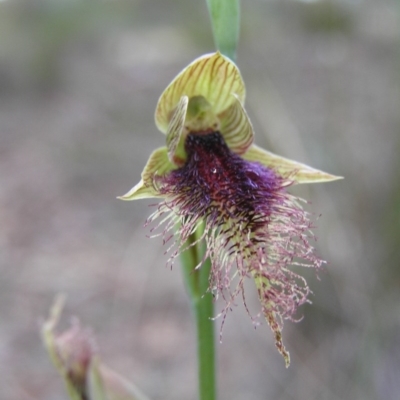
<point x="203" y="307"/>
<point x="225" y="21"/>
<point x="204" y="310"/>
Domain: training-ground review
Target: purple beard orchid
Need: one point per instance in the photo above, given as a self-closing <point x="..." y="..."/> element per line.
<point x="211" y="175"/>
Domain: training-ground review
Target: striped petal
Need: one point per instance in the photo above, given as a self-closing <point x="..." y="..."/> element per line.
<point x="298" y="172"/>
<point x="236" y="127"/>
<point x="158" y="165"/>
<point x="175" y="138"/>
<point x="212" y="76"/>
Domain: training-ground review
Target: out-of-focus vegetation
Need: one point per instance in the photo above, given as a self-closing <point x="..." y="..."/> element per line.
<point x="79" y="81"/>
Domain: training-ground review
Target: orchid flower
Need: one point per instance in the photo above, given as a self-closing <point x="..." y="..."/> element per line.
<point x="210" y="174"/>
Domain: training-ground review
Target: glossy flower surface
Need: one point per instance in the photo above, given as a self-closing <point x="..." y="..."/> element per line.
<point x="211" y="174"/>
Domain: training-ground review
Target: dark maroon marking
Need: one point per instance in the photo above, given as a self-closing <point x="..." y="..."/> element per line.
<point x="216" y="182"/>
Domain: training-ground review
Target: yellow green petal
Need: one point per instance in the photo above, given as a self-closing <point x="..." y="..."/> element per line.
<point x="212" y="76"/>
<point x="158" y="164"/>
<point x="236" y="127"/>
<point x="300" y="173"/>
<point x="175" y="139"/>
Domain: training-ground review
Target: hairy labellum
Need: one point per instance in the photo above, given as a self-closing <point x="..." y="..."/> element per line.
<point x="253" y="227"/>
<point x="218" y="184"/>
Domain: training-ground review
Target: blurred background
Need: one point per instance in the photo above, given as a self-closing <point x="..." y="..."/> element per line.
<point x="79" y="81"/>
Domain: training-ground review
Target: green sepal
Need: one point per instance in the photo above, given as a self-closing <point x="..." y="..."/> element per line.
<point x="293" y="170"/>
<point x="211" y="76"/>
<point x="157" y="165"/>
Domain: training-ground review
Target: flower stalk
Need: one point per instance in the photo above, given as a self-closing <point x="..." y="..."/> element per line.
<point x="197" y="284"/>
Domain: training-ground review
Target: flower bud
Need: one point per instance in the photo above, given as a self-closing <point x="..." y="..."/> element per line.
<point x="74" y="354"/>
